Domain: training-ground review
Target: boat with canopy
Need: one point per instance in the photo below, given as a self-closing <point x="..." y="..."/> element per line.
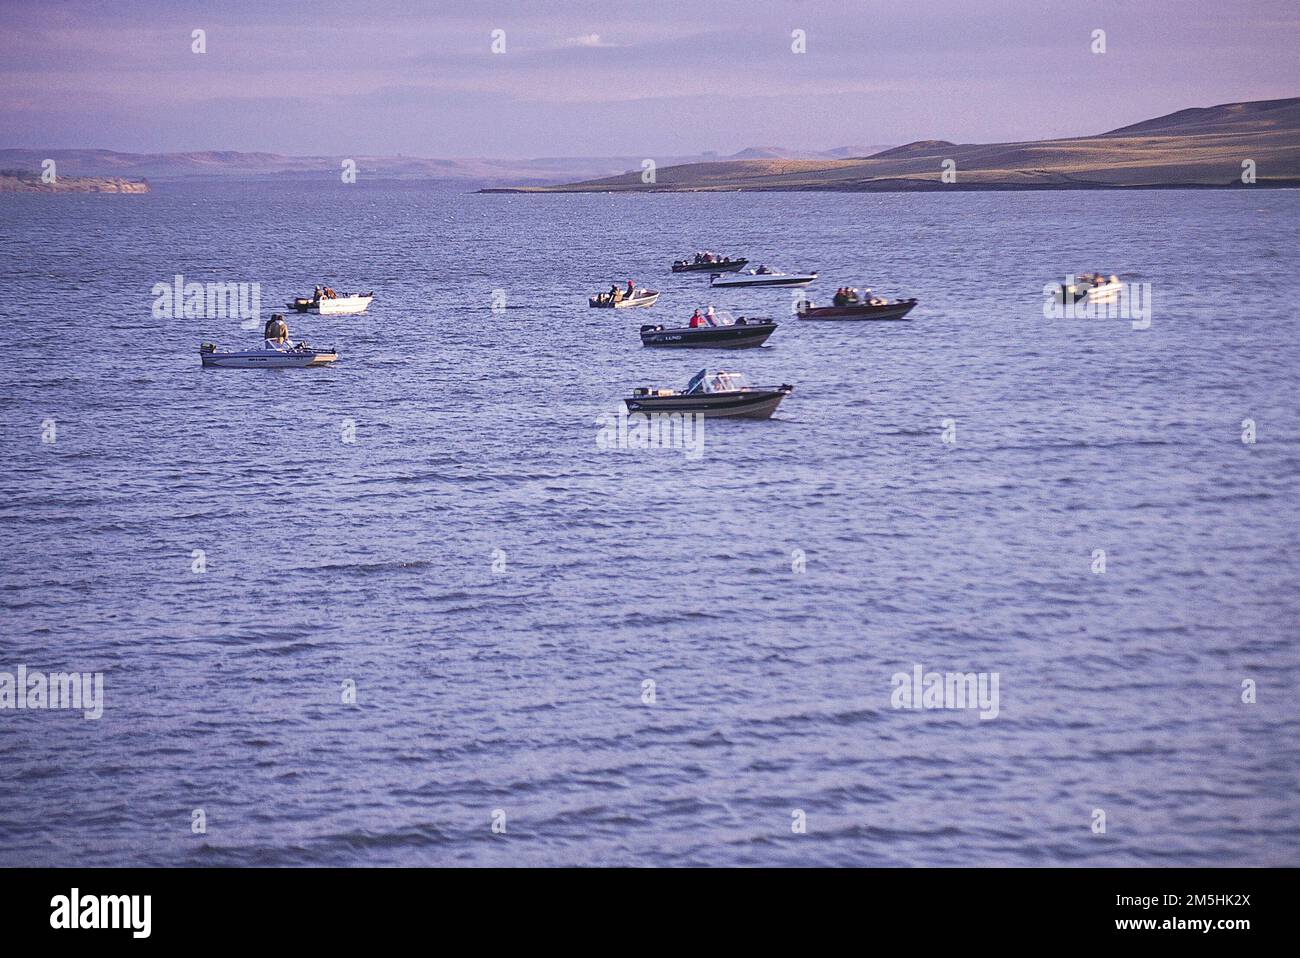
<point x="713" y="393"/>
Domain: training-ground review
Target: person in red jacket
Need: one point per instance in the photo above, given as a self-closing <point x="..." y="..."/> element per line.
<point x="697" y="320"/>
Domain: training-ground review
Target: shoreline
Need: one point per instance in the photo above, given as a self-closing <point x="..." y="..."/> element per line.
<point x="895" y="187"/>
<point x="21" y="181"/>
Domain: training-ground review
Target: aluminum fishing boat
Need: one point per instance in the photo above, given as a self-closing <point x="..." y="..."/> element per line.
<point x="872" y="309"/>
<point x="742" y="334"/>
<point x="701" y="264"/>
<point x="711" y="393"/>
<point x="763" y="276"/>
<point x="294" y="357"/>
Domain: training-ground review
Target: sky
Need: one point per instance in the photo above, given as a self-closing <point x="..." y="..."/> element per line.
<point x="619" y="77"/>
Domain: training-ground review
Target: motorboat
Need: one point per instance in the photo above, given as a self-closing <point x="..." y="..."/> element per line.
<point x="292" y="357"/>
<point x="711" y="393"/>
<point x="708" y="262"/>
<point x="741" y="334"/>
<point x="328" y="303"/>
<point x="641" y="297"/>
<point x="1090" y="288"/>
<point x="871" y="308"/>
<point x="763" y="276"/>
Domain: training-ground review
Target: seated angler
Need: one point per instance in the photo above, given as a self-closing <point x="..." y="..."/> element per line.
<point x="276" y="333"/>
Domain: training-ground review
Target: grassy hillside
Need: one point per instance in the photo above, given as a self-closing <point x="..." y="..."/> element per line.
<point x="1202" y="147"/>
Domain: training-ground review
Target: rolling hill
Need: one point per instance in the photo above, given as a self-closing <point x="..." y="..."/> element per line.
<point x="469" y="173"/>
<point x="1202" y="147"/>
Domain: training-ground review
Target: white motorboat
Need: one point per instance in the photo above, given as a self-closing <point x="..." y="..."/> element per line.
<point x="328" y="303"/>
<point x="641" y="297"/>
<point x="1090" y="288"/>
<point x="292" y="357"/>
<point x="763" y="276"/>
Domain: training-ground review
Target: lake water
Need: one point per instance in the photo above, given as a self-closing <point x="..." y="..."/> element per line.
<point x="498" y="589"/>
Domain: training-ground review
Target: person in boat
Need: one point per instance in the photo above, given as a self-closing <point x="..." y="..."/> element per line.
<point x="697" y="320"/>
<point x="615" y="292"/>
<point x="838" y="300"/>
<point x="710" y="317"/>
<point x="276" y="333"/>
<point x="330" y="294"/>
<point x="631" y="290"/>
<point x="851" y="297"/>
<point x="762" y="271"/>
<point x="315" y="296"/>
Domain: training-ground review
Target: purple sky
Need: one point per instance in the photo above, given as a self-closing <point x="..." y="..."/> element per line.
<point x="619" y="77"/>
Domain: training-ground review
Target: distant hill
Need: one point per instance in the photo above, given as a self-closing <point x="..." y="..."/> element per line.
<point x="919" y="148"/>
<point x="453" y="173"/>
<point x="1203" y="147"/>
<point x="1251" y="117"/>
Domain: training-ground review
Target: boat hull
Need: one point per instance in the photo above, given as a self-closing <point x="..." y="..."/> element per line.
<point x="728" y="266"/>
<point x="339" y="306"/>
<point x="738" y="336"/>
<point x="635" y="302"/>
<point x="737" y="282"/>
<point x="740" y="404"/>
<point x="267" y="359"/>
<point x="862" y="311"/>
<point x="1103" y="294"/>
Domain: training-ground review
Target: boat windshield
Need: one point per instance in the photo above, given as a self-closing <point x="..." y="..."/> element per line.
<point x="715" y="381"/>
